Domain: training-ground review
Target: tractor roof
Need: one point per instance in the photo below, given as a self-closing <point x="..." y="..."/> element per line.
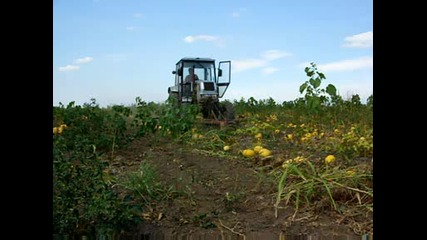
<point x="196" y="59"/>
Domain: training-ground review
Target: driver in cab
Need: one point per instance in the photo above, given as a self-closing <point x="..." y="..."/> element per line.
<point x="191" y="77"/>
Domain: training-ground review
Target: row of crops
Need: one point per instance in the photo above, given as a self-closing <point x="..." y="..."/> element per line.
<point x="319" y="147"/>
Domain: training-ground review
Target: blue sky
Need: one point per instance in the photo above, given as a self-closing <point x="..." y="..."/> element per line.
<point x="117" y="50"/>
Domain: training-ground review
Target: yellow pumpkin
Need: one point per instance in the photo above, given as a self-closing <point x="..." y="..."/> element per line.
<point x="248" y="153"/>
<point x="257" y="148"/>
<point x="264" y="152"/>
<point x="330" y="159"/>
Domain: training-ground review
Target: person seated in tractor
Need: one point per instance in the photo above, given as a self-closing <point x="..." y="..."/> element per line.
<point x="191" y="77"/>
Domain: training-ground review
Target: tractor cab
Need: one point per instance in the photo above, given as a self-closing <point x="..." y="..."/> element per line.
<point x="208" y="83"/>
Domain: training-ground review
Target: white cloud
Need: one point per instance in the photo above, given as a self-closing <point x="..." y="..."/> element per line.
<point x="69" y="68"/>
<point x="363" y="40"/>
<point x="347" y="65"/>
<point x="245" y="64"/>
<point x="130" y="28"/>
<point x="75" y="67"/>
<point x="269" y="70"/>
<point x="274" y="54"/>
<point x="138" y="15"/>
<point x="83" y="60"/>
<point x="266" y="57"/>
<point x="190" y="39"/>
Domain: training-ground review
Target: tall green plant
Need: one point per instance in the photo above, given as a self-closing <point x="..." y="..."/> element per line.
<point x="314" y="96"/>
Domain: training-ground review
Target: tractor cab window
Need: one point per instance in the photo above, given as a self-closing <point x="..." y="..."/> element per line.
<point x="204" y="71"/>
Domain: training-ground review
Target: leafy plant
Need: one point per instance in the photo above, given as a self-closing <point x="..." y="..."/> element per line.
<point x="177" y="118"/>
<point x="82" y="201"/>
<point x="315" y="97"/>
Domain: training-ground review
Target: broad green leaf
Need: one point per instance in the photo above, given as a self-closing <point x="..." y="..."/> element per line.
<point x="303" y="87"/>
<point x="316" y="82"/>
<point x="331" y="90"/>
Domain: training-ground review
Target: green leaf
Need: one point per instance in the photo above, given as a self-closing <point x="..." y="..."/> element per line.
<point x="331" y="90"/>
<point x="316" y="82"/>
<point x="321" y="75"/>
<point x="303" y="87"/>
<point x="313" y="65"/>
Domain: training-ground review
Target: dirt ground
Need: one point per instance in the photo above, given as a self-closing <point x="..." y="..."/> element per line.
<point x="225" y="196"/>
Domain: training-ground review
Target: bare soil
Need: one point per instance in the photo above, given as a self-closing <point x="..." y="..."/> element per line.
<point x="228" y="196"/>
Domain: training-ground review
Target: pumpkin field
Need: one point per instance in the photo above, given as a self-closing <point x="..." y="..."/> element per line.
<point x="297" y="167"/>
